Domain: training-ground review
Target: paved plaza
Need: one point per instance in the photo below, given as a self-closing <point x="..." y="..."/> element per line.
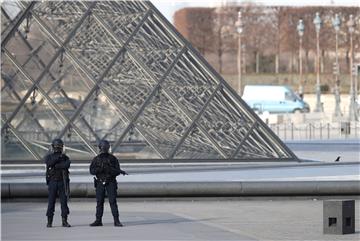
<point x="180" y="219"/>
<point x="261" y="218"/>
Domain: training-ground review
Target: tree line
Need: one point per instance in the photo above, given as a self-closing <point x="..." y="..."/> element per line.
<point x="270" y="41"/>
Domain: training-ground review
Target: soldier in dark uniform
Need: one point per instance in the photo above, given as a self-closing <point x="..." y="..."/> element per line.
<point x="57" y="179"/>
<point x="106" y="167"/>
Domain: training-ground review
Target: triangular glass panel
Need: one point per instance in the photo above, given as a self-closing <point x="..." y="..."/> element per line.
<point x="155" y="46"/>
<point x="5" y="21"/>
<point x="34" y="130"/>
<point x="225" y="122"/>
<point x="9" y="100"/>
<point x="31" y="49"/>
<point x="257" y="146"/>
<point x="134" y="146"/>
<point x="93" y="46"/>
<point x="127" y="84"/>
<point x="122" y="18"/>
<point x="197" y="146"/>
<point x="59" y="16"/>
<point x="12" y="148"/>
<point x="190" y="84"/>
<point x="66" y="85"/>
<point x="110" y="8"/>
<point x="12" y="77"/>
<point x="36" y="124"/>
<point x="162" y="123"/>
<point x="99" y="119"/>
<point x="10" y="13"/>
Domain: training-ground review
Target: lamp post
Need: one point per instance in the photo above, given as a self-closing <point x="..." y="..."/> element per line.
<point x="239" y="29"/>
<point x="352" y="109"/>
<point x="219" y="25"/>
<point x="223" y="28"/>
<point x="300" y="28"/>
<point x="336" y="22"/>
<point x="317" y="22"/>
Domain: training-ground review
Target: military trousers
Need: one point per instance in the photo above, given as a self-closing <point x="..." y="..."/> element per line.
<point x="110" y="189"/>
<point x="57" y="188"/>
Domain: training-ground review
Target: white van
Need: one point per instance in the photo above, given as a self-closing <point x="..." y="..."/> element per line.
<point x="273" y="99"/>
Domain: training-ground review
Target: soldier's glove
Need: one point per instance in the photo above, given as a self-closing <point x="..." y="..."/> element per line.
<point x="124" y="173"/>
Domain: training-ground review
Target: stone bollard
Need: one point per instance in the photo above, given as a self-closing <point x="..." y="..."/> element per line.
<point x="339" y="216"/>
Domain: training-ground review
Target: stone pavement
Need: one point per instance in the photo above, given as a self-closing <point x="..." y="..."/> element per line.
<point x="178" y="219"/>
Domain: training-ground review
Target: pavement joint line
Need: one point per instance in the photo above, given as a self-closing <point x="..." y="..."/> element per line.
<point x="219" y="226"/>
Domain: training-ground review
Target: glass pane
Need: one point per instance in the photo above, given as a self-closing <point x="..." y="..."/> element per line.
<point x="162" y="123"/>
<point x="127" y="84"/>
<point x="155" y="46"/>
<point x="225" y="121"/>
<point x="190" y="84"/>
<point x="93" y="47"/>
<point x="197" y="146"/>
<point x="12" y="149"/>
<point x="122" y="17"/>
<point x="134" y="146"/>
<point x="59" y="16"/>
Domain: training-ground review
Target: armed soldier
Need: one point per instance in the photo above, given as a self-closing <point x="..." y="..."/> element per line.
<point x="57" y="179"/>
<point x="106" y="167"/>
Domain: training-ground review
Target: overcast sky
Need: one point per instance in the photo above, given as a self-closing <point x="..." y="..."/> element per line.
<point x="168" y="7"/>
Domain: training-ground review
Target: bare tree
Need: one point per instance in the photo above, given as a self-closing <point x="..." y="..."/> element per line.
<point x="223" y="31"/>
<point x="196" y="25"/>
<point x="269" y="33"/>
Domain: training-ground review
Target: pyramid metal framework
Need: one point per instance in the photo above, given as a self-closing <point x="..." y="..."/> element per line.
<point x="83" y="71"/>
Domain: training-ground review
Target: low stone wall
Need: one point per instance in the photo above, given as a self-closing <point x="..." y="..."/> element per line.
<point x="193" y="189"/>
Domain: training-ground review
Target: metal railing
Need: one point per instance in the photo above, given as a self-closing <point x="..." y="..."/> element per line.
<point x="321" y="131"/>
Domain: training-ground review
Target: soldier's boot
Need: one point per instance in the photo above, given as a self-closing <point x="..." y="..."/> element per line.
<point x="49" y="221"/>
<point x="96" y="223"/>
<point x="65" y="222"/>
<point x="117" y="222"/>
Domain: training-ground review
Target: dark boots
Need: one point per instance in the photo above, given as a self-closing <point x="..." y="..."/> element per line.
<point x="49" y="221"/>
<point x="65" y="223"/>
<point x="117" y="222"/>
<point x="97" y="222"/>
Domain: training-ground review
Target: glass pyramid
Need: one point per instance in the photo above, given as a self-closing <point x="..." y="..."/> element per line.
<point x="84" y="71"/>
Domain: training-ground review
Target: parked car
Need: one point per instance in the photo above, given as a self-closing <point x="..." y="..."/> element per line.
<point x="273" y="99"/>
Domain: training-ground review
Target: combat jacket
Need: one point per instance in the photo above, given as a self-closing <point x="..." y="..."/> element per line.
<point x="106" y="167"/>
<point x="57" y="165"/>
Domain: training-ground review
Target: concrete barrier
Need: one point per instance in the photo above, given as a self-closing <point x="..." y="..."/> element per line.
<point x="193" y="189"/>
